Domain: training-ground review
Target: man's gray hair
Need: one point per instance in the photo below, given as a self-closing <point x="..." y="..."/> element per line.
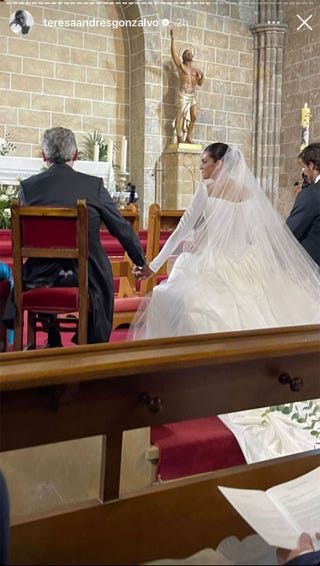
<point x="59" y="145"/>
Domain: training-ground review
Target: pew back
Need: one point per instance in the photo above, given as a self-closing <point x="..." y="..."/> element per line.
<point x="165" y="522"/>
<point x="149" y="383"/>
<point x="45" y="398"/>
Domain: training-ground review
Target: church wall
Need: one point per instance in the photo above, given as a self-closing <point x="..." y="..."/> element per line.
<point x="77" y="77"/>
<point x="122" y="81"/>
<point x="301" y="83"/>
<point x="219" y="35"/>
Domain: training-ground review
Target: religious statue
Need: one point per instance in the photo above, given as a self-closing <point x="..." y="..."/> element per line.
<point x="186" y="102"/>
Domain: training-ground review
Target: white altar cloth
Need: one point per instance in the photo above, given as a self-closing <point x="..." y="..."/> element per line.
<point x="14" y="168"/>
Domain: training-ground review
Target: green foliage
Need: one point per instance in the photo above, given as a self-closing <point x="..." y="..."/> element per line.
<point x="306" y="413"/>
<point x="86" y="149"/>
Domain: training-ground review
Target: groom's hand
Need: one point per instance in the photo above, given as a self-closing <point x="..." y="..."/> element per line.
<point x="142" y="272"/>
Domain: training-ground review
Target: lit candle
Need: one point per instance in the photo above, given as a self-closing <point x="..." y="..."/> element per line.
<point x="96" y="151"/>
<point x="123" y="162"/>
<point x="305" y="121"/>
<point x="110" y="151"/>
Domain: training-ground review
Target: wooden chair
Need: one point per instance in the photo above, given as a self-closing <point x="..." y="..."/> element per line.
<point x="120" y="262"/>
<point x="126" y="300"/>
<point x="160" y="223"/>
<point x="44" y="232"/>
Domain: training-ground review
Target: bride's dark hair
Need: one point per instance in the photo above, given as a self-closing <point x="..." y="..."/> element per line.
<point x="216" y="150"/>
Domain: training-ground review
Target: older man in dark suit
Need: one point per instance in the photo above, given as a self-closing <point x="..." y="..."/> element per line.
<point x="61" y="185"/>
<point x="304" y="219"/>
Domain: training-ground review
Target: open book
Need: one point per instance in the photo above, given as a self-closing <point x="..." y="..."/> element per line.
<point x="280" y="514"/>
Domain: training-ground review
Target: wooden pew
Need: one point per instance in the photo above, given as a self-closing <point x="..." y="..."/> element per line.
<point x="166" y="522"/>
<point x="45" y="397"/>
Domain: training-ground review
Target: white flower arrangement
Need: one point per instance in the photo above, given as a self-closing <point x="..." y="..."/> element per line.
<point x="7" y="193"/>
<point x="6" y="146"/>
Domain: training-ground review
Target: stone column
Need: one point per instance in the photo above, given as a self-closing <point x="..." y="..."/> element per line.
<point x="180" y="175"/>
<point x="269" y="36"/>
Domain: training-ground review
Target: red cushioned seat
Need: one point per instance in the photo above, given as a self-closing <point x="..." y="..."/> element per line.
<point x="113" y="248"/>
<point x="125" y="309"/>
<point x="195" y="447"/>
<point x="126" y="304"/>
<point x="5" y="234"/>
<point x="51" y="299"/>
<point x="5" y="248"/>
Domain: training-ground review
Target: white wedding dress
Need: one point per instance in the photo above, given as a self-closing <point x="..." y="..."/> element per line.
<point x="234" y="265"/>
<point x="219" y="288"/>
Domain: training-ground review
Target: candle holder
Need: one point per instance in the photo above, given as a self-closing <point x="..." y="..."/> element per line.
<point x="123" y="185"/>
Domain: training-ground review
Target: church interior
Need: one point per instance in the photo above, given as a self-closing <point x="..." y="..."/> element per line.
<point x="112" y="453"/>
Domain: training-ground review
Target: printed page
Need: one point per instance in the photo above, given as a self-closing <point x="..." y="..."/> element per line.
<point x="299" y="500"/>
<point x="263" y="516"/>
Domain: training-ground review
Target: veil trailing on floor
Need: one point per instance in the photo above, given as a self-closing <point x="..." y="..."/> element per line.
<point x="233" y="264"/>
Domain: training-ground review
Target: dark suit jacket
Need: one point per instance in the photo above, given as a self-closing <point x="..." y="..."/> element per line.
<point x="308" y="559"/>
<point x="61" y="185"/>
<point x="304" y="220"/>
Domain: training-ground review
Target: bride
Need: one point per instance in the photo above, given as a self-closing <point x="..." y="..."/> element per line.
<point x="235" y="265"/>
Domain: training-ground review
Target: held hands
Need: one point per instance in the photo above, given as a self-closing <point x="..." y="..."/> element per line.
<point x="142" y="272"/>
<point x="305" y="544"/>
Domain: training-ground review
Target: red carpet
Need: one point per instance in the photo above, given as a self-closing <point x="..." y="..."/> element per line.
<point x="118" y="335"/>
<point x="195" y="447"/>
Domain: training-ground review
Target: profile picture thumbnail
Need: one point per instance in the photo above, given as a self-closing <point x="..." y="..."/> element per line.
<point x="21" y="22"/>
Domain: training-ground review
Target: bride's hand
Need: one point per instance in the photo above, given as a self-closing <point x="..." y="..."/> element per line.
<point x="142" y="272"/>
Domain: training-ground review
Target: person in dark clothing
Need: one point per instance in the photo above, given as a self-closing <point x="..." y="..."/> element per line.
<point x="61" y="185"/>
<point x="304" y="218"/>
<point x="304" y="554"/>
<point x="4" y="521"/>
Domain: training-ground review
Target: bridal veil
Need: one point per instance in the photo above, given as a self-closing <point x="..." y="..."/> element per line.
<point x="233" y="264"/>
